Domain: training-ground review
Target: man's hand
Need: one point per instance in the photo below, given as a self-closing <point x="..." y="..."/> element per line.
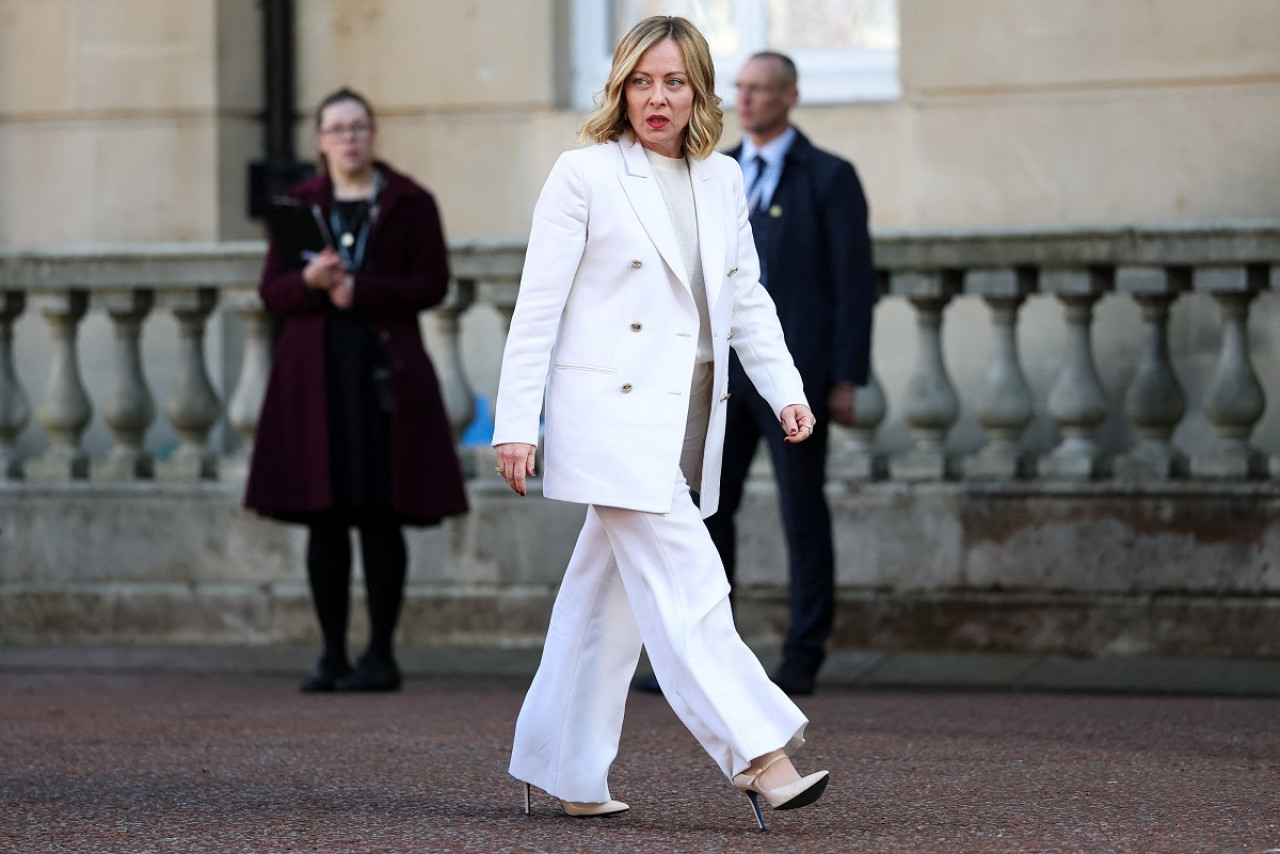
<point x="840" y="403"/>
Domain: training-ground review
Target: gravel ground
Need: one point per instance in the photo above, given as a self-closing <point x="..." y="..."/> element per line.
<point x="136" y="761"/>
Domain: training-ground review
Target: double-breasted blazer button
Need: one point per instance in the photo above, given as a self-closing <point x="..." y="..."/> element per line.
<point x="637" y="264"/>
<point x="732" y="270"/>
<point x="636" y="326"/>
<point x="626" y="388"/>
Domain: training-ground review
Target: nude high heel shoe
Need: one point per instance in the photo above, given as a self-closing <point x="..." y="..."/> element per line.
<point x="792" y="796"/>
<point x="579" y="809"/>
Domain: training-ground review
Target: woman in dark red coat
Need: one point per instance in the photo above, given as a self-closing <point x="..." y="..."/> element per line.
<point x="353" y="431"/>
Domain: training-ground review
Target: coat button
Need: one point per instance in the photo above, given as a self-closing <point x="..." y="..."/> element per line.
<point x="637" y="264"/>
<point x="726" y="396"/>
<point x="732" y="270"/>
<point x="729" y="337"/>
<point x="636" y="326"/>
<point x="626" y="388"/>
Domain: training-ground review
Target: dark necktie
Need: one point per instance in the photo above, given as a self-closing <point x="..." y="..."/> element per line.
<point x="756" y="192"/>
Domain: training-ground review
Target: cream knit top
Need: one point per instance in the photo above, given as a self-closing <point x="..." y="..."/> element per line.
<point x="677" y="191"/>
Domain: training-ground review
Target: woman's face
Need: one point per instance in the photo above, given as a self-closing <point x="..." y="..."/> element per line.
<point x="660" y="99"/>
<point x="345" y="137"/>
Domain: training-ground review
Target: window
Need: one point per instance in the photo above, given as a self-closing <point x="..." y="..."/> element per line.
<point x="846" y="50"/>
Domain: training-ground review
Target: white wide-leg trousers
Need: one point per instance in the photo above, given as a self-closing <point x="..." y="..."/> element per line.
<point x="656" y="579"/>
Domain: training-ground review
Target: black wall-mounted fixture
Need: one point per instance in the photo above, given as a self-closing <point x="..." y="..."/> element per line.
<point x="279" y="167"/>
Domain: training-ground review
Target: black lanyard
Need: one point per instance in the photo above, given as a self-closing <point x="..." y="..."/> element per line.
<point x="352" y="251"/>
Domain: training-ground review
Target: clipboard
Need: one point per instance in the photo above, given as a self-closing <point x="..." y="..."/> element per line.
<point x="297" y="228"/>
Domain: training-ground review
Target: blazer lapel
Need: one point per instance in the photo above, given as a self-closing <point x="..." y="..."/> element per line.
<point x="709" y="203"/>
<point x="646" y="200"/>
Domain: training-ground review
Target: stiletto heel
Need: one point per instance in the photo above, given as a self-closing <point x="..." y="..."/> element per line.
<point x="755" y="805"/>
<point x="580" y="809"/>
<point x="792" y="796"/>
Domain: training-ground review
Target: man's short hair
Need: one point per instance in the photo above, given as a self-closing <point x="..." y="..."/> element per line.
<point x="789" y="74"/>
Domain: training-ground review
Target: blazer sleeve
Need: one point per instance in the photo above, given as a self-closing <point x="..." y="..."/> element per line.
<point x="757" y="334"/>
<point x="556" y="242"/>
<point x="844" y="219"/>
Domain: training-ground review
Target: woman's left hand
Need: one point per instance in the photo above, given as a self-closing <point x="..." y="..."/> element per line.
<point x="797" y="422"/>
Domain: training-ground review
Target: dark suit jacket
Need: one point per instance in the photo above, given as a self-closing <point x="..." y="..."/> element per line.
<point x="819" y="267"/>
<point x="406" y="271"/>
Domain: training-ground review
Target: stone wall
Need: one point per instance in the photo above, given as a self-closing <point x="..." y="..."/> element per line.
<point x="1084" y="570"/>
<point x="1012" y="112"/>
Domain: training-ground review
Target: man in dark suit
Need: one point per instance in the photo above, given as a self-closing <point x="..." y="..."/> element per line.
<point x="809" y="219"/>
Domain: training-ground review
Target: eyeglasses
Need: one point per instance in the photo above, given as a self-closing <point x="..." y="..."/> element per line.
<point x="358" y="130"/>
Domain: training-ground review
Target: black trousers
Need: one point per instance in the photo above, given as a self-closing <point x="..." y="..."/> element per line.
<point x="800" y="471"/>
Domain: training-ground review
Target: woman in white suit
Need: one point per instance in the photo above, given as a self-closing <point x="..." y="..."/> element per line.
<point x="641" y="272"/>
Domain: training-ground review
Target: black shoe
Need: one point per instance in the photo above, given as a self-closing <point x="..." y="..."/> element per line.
<point x="371" y="674"/>
<point x="794" y="679"/>
<point x="324" y="678"/>
<point x="646" y="684"/>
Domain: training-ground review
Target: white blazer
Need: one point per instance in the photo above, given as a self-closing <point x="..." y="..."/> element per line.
<point x="606" y="325"/>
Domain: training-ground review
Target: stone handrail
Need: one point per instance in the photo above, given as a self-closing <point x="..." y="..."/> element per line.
<point x="924" y="272"/>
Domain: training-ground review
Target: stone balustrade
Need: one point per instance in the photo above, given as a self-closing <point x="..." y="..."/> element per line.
<point x="1231" y="266"/>
<point x="1064" y="448"/>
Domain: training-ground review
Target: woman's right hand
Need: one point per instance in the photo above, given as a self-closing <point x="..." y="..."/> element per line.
<point x="324" y="271"/>
<point x="515" y="462"/>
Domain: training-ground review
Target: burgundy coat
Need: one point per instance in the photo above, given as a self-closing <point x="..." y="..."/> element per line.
<point x="406" y="270"/>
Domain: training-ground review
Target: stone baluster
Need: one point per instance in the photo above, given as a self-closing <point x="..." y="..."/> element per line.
<point x="1077" y="400"/>
<point x="245" y="404"/>
<point x="193" y="406"/>
<point x="1004" y="402"/>
<point x="459" y="398"/>
<point x="502" y="296"/>
<point x="1155" y="402"/>
<point x="15" y="408"/>
<point x="1274" y="462"/>
<point x="931" y="405"/>
<point x="861" y="460"/>
<point x="1235" y="400"/>
<point x="129" y="408"/>
<point x="64" y="410"/>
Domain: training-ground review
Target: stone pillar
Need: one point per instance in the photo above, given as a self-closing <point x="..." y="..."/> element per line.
<point x="1155" y="402"/>
<point x="1275" y="288"/>
<point x="64" y="410"/>
<point x="129" y="408"/>
<point x="1235" y="400"/>
<point x="859" y="460"/>
<point x="1004" y="403"/>
<point x="15" y="408"/>
<point x="502" y="296"/>
<point x="193" y="406"/>
<point x="931" y="405"/>
<point x="459" y="397"/>
<point x="1077" y="400"/>
<point x="245" y="405"/>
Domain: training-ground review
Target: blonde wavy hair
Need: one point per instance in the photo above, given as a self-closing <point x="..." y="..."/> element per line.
<point x="706" y="121"/>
